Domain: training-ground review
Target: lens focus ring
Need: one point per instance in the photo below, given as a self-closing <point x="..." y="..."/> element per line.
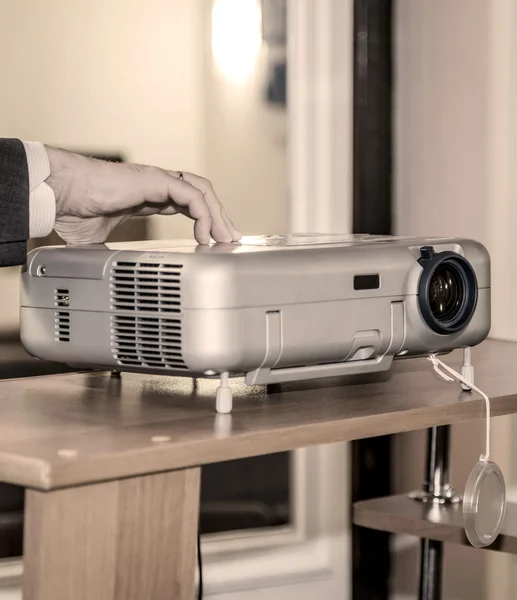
<point x="447" y="292"/>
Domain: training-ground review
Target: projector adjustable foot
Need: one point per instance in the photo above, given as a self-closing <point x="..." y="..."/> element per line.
<point x="467" y="370"/>
<point x="223" y="398"/>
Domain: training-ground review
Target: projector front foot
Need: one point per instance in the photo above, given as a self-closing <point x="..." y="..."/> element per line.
<point x="223" y="398"/>
<point x="467" y="370"/>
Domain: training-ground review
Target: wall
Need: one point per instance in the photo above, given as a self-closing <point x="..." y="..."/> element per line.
<point x="441" y="121"/>
<point x="119" y="75"/>
<point x="246" y="139"/>
<point x="455" y="131"/>
<point x="100" y="76"/>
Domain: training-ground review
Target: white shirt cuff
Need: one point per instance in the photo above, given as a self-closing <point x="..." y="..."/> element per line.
<point x="42" y="202"/>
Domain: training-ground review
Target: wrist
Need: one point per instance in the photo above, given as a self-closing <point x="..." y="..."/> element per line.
<point x="62" y="173"/>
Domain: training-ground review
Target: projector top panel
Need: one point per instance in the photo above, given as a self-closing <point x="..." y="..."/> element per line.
<point x="258" y="271"/>
<point x="261" y="243"/>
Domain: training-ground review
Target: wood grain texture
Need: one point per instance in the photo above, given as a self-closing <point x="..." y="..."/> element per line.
<point x="63" y="430"/>
<point x="125" y="540"/>
<point x="400" y="514"/>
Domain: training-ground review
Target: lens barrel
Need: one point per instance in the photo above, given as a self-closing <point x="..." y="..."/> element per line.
<point x="447" y="291"/>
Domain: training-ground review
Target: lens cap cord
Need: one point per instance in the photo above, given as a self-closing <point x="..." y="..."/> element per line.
<point x="484" y="499"/>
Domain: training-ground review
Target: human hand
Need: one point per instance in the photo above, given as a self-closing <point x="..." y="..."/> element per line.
<point x="94" y="196"/>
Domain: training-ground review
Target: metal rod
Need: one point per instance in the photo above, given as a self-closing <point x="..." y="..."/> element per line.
<point x="431" y="559"/>
<point x="437" y="490"/>
<point x="437" y="463"/>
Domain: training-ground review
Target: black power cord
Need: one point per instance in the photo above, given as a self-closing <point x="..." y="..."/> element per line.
<point x="200" y="567"/>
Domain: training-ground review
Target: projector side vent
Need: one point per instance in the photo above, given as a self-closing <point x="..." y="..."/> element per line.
<point x="146" y="319"/>
<point x="62" y="326"/>
<point x="151" y="342"/>
<point x="145" y="287"/>
<point x="62" y="298"/>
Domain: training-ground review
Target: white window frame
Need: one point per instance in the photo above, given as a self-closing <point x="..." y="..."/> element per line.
<point x="314" y="548"/>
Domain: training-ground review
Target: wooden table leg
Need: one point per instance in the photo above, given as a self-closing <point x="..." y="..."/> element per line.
<point x="133" y="539"/>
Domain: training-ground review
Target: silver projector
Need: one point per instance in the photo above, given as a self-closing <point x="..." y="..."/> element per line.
<point x="271" y="308"/>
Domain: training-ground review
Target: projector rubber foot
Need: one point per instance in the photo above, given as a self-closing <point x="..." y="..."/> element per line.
<point x="224" y="398"/>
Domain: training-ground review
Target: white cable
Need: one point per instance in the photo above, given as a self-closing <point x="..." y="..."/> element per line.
<point x="437" y="363"/>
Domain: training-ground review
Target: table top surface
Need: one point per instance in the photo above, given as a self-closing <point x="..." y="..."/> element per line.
<point x="71" y="429"/>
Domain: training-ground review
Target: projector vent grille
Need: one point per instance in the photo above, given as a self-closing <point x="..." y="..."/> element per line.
<point x="150" y="342"/>
<point x="145" y="287"/>
<point x="62" y="326"/>
<point x="62" y="298"/>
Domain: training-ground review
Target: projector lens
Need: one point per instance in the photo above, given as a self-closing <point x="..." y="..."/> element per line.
<point x="447" y="292"/>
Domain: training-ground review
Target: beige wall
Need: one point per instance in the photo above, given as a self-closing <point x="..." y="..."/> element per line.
<point x="137" y="76"/>
<point x="246" y="153"/>
<point x="454" y="176"/>
<point x="243" y="142"/>
<point x="442" y="117"/>
<point x="102" y="76"/>
<point x="118" y="75"/>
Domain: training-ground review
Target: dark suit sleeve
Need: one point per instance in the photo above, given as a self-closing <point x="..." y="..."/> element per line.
<point x="14" y="203"/>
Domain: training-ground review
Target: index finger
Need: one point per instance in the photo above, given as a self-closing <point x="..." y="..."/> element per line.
<point x="156" y="186"/>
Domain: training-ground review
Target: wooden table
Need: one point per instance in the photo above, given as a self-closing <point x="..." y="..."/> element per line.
<point x="112" y="465"/>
